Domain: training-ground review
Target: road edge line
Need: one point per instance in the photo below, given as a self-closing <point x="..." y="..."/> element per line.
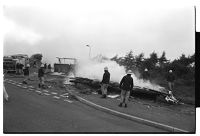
<point x="133" y="118"/>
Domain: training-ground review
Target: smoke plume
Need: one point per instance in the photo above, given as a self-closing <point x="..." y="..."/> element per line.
<point x="94" y="69"/>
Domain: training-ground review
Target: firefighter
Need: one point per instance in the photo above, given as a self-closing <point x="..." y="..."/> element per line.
<point x="21" y="68"/>
<point x="41" y="76"/>
<point x="26" y="74"/>
<point x="105" y="82"/>
<point x="146" y="75"/>
<point x="49" y="68"/>
<point x="17" y="69"/>
<point x="126" y="86"/>
<point x="170" y="79"/>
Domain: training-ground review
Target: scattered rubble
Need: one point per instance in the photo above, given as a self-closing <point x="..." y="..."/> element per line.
<point x="84" y="83"/>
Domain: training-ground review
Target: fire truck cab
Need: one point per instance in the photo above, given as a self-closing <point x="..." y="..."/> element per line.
<point x="9" y="62"/>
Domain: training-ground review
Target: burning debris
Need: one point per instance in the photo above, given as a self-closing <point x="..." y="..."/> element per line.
<point x="114" y="89"/>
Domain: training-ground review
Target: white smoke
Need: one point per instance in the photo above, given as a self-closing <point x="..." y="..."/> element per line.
<point x="94" y="69"/>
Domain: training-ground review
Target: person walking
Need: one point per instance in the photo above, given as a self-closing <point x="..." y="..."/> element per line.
<point x="41" y="76"/>
<point x="126" y="85"/>
<point x="26" y="74"/>
<point x="170" y="79"/>
<point x="105" y="82"/>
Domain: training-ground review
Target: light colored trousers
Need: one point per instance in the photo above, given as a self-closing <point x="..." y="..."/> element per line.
<point x="41" y="80"/>
<point x="104" y="88"/>
<point x="124" y="96"/>
<point x="5" y="94"/>
<point x="171" y="85"/>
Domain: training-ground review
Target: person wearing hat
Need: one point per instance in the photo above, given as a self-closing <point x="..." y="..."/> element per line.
<point x="26" y="74"/>
<point x="126" y="85"/>
<point x="41" y="76"/>
<point x="146" y="75"/>
<point x="105" y="82"/>
<point x="170" y="79"/>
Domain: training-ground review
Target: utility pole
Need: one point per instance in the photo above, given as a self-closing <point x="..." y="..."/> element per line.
<point x="89" y="51"/>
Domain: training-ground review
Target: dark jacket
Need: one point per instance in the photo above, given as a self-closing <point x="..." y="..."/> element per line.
<point x="49" y="66"/>
<point x="126" y="83"/>
<point x="40" y="72"/>
<point x="170" y="77"/>
<point x="21" y="66"/>
<point x="146" y="75"/>
<point x="17" y="66"/>
<point x="106" y="78"/>
<point x="26" y="71"/>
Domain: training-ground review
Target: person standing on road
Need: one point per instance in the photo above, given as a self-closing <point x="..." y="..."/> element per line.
<point x="21" y="68"/>
<point x="170" y="79"/>
<point x="126" y="86"/>
<point x="105" y="82"/>
<point x="26" y="74"/>
<point x="41" y="76"/>
<point x="17" y="68"/>
<point x="49" y="68"/>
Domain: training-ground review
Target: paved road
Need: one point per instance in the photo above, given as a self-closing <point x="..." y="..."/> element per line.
<point x="29" y="112"/>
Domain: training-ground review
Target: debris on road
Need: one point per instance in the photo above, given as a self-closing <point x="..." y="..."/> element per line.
<point x="86" y="85"/>
<point x="113" y="96"/>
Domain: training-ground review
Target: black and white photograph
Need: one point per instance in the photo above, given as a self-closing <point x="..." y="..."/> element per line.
<point x="99" y="66"/>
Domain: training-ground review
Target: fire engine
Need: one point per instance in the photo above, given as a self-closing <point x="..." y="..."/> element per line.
<point x="9" y="62"/>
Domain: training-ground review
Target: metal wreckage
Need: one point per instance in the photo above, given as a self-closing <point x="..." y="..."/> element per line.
<point x="159" y="92"/>
<point x="137" y="91"/>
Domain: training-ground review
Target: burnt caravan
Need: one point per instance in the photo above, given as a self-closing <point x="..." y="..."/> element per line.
<point x="65" y="65"/>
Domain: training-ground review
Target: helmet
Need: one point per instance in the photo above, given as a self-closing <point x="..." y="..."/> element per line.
<point x="170" y="71"/>
<point x="106" y="68"/>
<point x="146" y="69"/>
<point x="42" y="65"/>
<point x="28" y="65"/>
<point x="129" y="72"/>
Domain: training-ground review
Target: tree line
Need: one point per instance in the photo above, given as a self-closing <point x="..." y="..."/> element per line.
<point x="183" y="67"/>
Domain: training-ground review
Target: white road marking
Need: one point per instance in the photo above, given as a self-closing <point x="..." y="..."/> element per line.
<point x="63" y="96"/>
<point x="56" y="97"/>
<point x="31" y="86"/>
<point x="30" y="89"/>
<point x="46" y="94"/>
<point x="24" y="87"/>
<point x="38" y="91"/>
<point x="68" y="101"/>
<point x="45" y="91"/>
<point x="54" y="93"/>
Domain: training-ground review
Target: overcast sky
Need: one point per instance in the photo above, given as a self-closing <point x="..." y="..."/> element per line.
<point x="64" y="28"/>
